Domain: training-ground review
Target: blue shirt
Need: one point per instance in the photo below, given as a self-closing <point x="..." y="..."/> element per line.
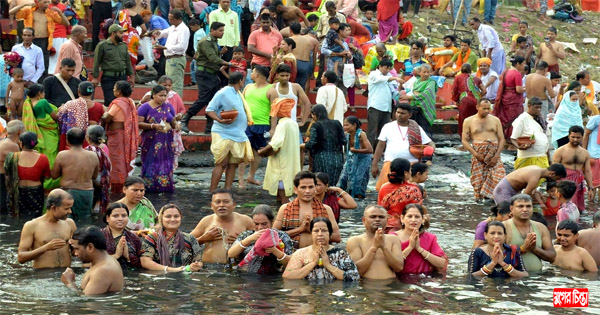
<point x="380" y="95"/>
<point x="409" y="66"/>
<point x="33" y="61"/>
<point x="159" y="23"/>
<point x="227" y="99"/>
<point x="593" y="146"/>
<point x="198" y="35"/>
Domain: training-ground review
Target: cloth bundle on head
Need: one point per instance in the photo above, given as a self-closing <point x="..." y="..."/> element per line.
<point x="481" y="61"/>
<point x="282" y="107"/>
<point x="269" y="238"/>
<point x="11" y="60"/>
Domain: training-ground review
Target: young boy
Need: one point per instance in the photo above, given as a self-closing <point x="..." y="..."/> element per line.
<point x="15" y="94"/>
<point x="568" y="254"/>
<point x="334" y="43"/>
<point x="419" y="172"/>
<point x="238" y="63"/>
<point x="371" y="20"/>
<point x="199" y="33"/>
<point x="568" y="210"/>
<point x="552" y="201"/>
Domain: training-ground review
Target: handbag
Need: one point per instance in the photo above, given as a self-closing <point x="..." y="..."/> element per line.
<point x="65" y="86"/>
<point x="349" y="75"/>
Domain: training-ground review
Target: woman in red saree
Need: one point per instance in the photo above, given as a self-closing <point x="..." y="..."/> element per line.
<point x="129" y="20"/>
<point x="122" y="132"/>
<point x="509" y="101"/>
<point x="466" y="92"/>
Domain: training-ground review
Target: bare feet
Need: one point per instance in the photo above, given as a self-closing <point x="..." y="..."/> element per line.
<point x="253" y="181"/>
<point x="241" y="184"/>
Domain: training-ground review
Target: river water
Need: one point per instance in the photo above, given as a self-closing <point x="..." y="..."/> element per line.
<point x="454" y="217"/>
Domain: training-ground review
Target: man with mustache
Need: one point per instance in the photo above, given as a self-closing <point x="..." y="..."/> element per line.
<point x="377" y="255"/>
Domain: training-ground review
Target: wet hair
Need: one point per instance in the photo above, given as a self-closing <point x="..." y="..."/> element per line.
<point x="566" y="188"/>
<point x="222" y="191"/>
<point x="539" y="217"/>
<point x="397" y="169"/>
<point x="283" y="68"/>
<point x="320" y="112"/>
<point x="132" y="180"/>
<point x="288" y="41"/>
<point x="423" y="212"/>
<point x="323" y="177"/>
<point x="515" y="60"/>
<point x="216" y="25"/>
<point x="113" y="206"/>
<point x="75" y="136"/>
<point x="555" y="75"/>
<point x="124" y="87"/>
<point x="34" y="90"/>
<point x="235" y="78"/>
<point x="321" y="219"/>
<point x="157" y="89"/>
<point x="56" y="200"/>
<point x="295" y="28"/>
<point x="418" y="44"/>
<point x="163" y="79"/>
<point x="334" y="20"/>
<point x="264" y="210"/>
<point x="552" y="29"/>
<point x="418" y="168"/>
<point x="96" y="134"/>
<point x="193" y="22"/>
<point x="576" y="129"/>
<point x="385" y="62"/>
<point x="573" y="85"/>
<point x="541" y="65"/>
<point x="28" y="140"/>
<point x="86" y="88"/>
<point x="581" y="75"/>
<point x="129" y="4"/>
<point x="568" y="225"/>
<point x="177" y="14"/>
<point x="330" y="6"/>
<point x="483" y="100"/>
<point x="262" y="70"/>
<point x="521" y="39"/>
<point x="354" y="121"/>
<point x="90" y="235"/>
<point x="67" y="62"/>
<point x="330" y="76"/>
<point x="466" y="68"/>
<point x="558" y="169"/>
<point x="304" y="175"/>
<point x="265" y="17"/>
<point x="520" y="197"/>
<point x="503" y="208"/>
<point x="312" y="18"/>
<point x="238" y="49"/>
<point x="534" y="101"/>
<point x="495" y="223"/>
<point x="450" y="37"/>
<point x="466" y="41"/>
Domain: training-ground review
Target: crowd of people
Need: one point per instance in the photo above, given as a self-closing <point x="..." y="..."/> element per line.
<point x="66" y="156"/>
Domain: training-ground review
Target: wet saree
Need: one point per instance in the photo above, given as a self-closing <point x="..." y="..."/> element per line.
<point x="101" y="194"/>
<point x="134" y="246"/>
<point x="123" y="144"/>
<point x="175" y="250"/>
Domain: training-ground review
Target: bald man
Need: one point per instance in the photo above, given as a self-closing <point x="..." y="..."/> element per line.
<point x="44" y="239"/>
<point x="11" y="144"/>
<point x="72" y="49"/>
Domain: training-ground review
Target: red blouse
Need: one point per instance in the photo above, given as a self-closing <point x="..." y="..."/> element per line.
<point x="95" y="112"/>
<point x="41" y="169"/>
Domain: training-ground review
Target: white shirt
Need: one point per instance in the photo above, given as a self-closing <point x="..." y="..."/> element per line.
<point x="178" y="38"/>
<point x="380" y="95"/>
<point x="488" y="37"/>
<point x="526" y="126"/>
<point x="396" y="140"/>
<point x="326" y="95"/>
<point x="492" y="90"/>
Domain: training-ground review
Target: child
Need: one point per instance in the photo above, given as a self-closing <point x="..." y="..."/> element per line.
<point x="552" y="203"/>
<point x="355" y="174"/>
<point x="419" y="172"/>
<point x="199" y="33"/>
<point x="238" y="63"/>
<point x="334" y="43"/>
<point x="568" y="209"/>
<point x="15" y="92"/>
<point x="371" y="20"/>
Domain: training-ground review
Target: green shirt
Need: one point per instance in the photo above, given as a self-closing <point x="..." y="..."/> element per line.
<point x="259" y="104"/>
<point x="375" y="61"/>
<point x="207" y="54"/>
<point x="472" y="60"/>
<point x="111" y="57"/>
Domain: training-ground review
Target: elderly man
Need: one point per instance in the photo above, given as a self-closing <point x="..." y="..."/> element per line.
<point x="490" y="44"/>
<point x="528" y="126"/>
<point x="63" y="86"/>
<point x="377" y="255"/>
<point x="44" y="239"/>
<point x="14" y="128"/>
<point x="72" y="49"/>
<point x="178" y="37"/>
<point x="33" y="57"/>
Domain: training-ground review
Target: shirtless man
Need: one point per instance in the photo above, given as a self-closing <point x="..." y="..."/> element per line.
<point x="223" y="223"/>
<point x="485" y="132"/>
<point x="533" y="237"/>
<point x="105" y="274"/>
<point x="11" y="144"/>
<point x="527" y="179"/>
<point x="576" y="161"/>
<point x="285" y="89"/>
<point x="44" y="239"/>
<point x="538" y="85"/>
<point x="551" y="51"/>
<point x="294" y="217"/>
<point x="377" y="255"/>
<point x="305" y="44"/>
<point x="289" y="14"/>
<point x="589" y="239"/>
<point x="78" y="168"/>
<point x="568" y="254"/>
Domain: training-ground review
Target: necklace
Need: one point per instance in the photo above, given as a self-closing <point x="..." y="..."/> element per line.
<point x="404" y="136"/>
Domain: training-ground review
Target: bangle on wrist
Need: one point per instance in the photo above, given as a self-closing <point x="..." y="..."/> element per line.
<point x="242" y="245"/>
<point x="484" y="271"/>
<point x="421" y="251"/>
<point x="166" y="268"/>
<point x="151" y="126"/>
<point x="282" y="258"/>
<point x="428" y="254"/>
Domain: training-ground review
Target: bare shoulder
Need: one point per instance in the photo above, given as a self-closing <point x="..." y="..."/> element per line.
<point x="71" y="224"/>
<point x="493" y="118"/>
<point x="31" y="225"/>
<point x="243" y="218"/>
<point x="541" y="227"/>
<point x="355" y="240"/>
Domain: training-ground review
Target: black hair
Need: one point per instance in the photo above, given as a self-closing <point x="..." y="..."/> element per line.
<point x="17" y="71"/>
<point x="524" y="23"/>
<point x="113" y="206"/>
<point x="262" y="70"/>
<point x="421" y="210"/>
<point x="304" y="175"/>
<point x="404" y="106"/>
<point x="550" y="184"/>
<point x="555" y="75"/>
<point x="132" y="180"/>
<point x="272" y="8"/>
<point x="466" y="41"/>
<point x="354" y="121"/>
<point x="129" y="4"/>
<point x="475" y="19"/>
<point x="290" y="42"/>
<point x="238" y="49"/>
<point x="320" y="112"/>
<point x="321" y="219"/>
<point x="418" y="168"/>
<point x="193" y="22"/>
<point x="264" y="210"/>
<point x="539" y="217"/>
<point x="573" y="85"/>
<point x="534" y="101"/>
<point x="312" y="18"/>
<point x="283" y="68"/>
<point x="596" y="218"/>
<point x="75" y="136"/>
<point x="567" y="188"/>
<point x="327" y="5"/>
<point x="552" y="29"/>
<point x="385" y="63"/>
<point x="28" y="140"/>
<point x="29" y="29"/>
<point x="343" y="26"/>
<point x="67" y="62"/>
<point x="277" y="3"/>
<point x="124" y="87"/>
<point x="295" y="28"/>
<point x="515" y="60"/>
<point x="56" y="200"/>
<point x="520" y="197"/>
<point x="86" y="88"/>
<point x="157" y="89"/>
<point x="265" y="17"/>
<point x="334" y="20"/>
<point x="495" y="223"/>
<point x="503" y="208"/>
<point x="568" y="225"/>
<point x="222" y="191"/>
<point x="177" y="14"/>
<point x="90" y="235"/>
<point x="541" y="65"/>
<point x="451" y="37"/>
<point x="236" y="77"/>
<point x="581" y="75"/>
<point x="466" y="68"/>
<point x="397" y="169"/>
<point x="323" y="177"/>
<point x="484" y="99"/>
<point x="96" y="134"/>
<point x="216" y="25"/>
<point x="331" y="76"/>
<point x="163" y="79"/>
<point x="558" y="169"/>
<point x="576" y="129"/>
<point x="418" y="44"/>
<point x="34" y="90"/>
<point x="521" y="39"/>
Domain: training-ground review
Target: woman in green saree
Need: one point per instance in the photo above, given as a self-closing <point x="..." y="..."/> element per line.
<point x="423" y="99"/>
<point x="142" y="215"/>
<point x="39" y="116"/>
